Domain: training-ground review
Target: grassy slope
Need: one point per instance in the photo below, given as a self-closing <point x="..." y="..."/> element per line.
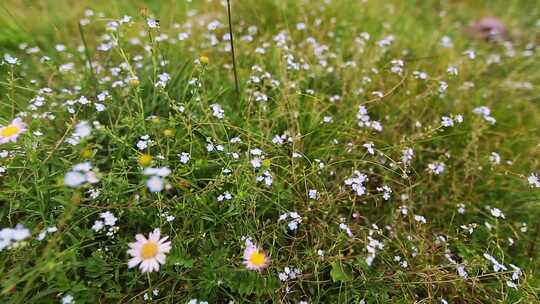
<point x="207" y="235"/>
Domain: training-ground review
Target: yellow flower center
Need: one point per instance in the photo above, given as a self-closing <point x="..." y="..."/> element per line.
<point x="204" y="59"/>
<point x="149" y="250"/>
<point x="9" y="131"/>
<point x="145" y="160"/>
<point x="257" y="259"/>
<point x="168" y="132"/>
<point x="87" y="153"/>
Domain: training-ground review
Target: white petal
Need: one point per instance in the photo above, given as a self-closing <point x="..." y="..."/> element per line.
<point x="134" y="262"/>
<point x="134" y="252"/>
<point x="139" y="237"/>
<point x="155" y="265"/>
<point x="160" y="258"/>
<point x="145" y="266"/>
<point x="165" y="247"/>
<point x="154" y="235"/>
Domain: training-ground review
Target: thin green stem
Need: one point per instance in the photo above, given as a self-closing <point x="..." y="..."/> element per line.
<point x="232" y="48"/>
<point x="88" y="59"/>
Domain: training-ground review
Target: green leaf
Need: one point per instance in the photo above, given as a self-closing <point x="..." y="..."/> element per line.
<point x="341" y="272"/>
<point x="180" y="257"/>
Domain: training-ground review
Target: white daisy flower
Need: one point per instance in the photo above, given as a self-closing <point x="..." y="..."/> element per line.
<point x="255" y="258"/>
<point x="162" y="172"/>
<point x="80" y="174"/>
<point x="149" y="253"/>
<point x="11" y="132"/>
<point x="155" y="184"/>
<point x="74" y="179"/>
<point x="83" y="129"/>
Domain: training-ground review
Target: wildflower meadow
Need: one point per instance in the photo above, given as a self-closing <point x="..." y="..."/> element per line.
<point x="269" y="151"/>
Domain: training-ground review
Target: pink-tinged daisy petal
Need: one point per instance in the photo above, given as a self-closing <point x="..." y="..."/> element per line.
<point x="145" y="266"/>
<point x="154" y="236"/>
<point x="249" y="250"/>
<point x="135" y="252"/>
<point x="161" y="258"/>
<point x="134" y="262"/>
<point x="153" y="265"/>
<point x="140" y="238"/>
<point x="165" y="247"/>
<point x="135" y="246"/>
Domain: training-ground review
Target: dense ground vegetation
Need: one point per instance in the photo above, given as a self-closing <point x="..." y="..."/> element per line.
<point x="375" y="152"/>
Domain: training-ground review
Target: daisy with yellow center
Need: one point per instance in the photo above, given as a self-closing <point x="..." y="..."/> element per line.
<point x="11" y="132"/>
<point x="149" y="253"/>
<point x="255" y="258"/>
